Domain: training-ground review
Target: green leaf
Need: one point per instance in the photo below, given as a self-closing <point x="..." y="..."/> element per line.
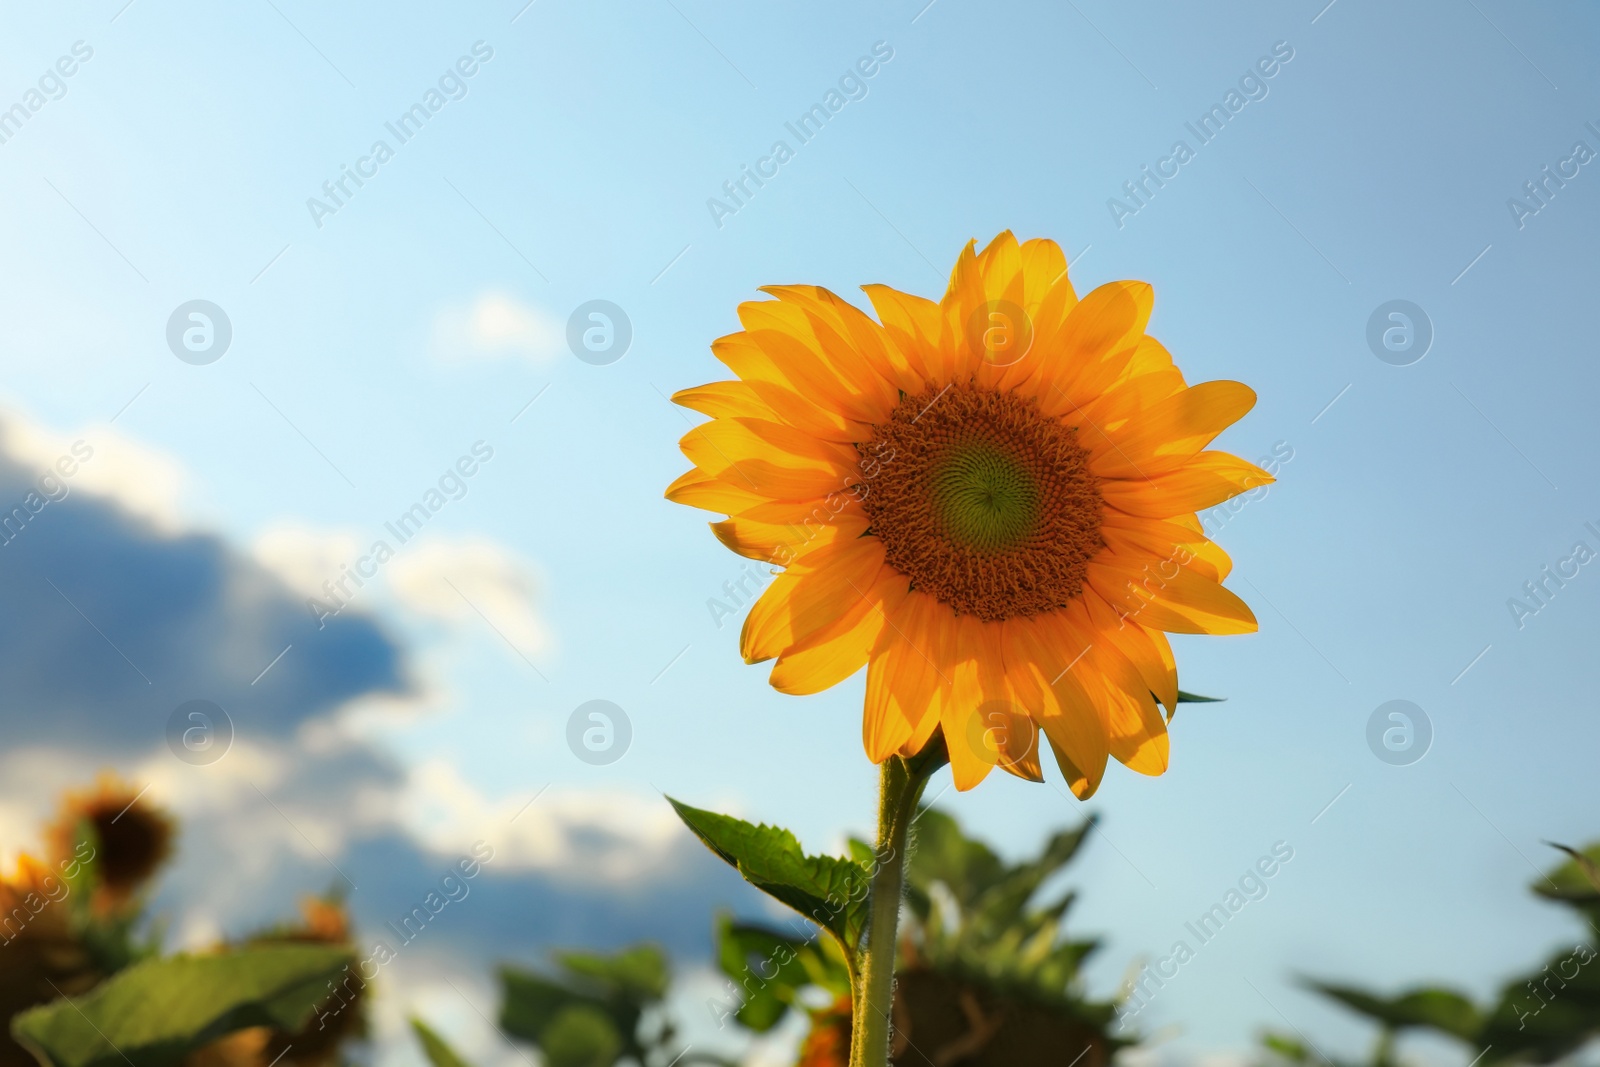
<point x="638" y="973"/>
<point x="1436" y="1009"/>
<point x="1195" y="698"/>
<point x="769" y="969"/>
<point x="991" y="894"/>
<point x="1577" y="880"/>
<point x="531" y="1002"/>
<point x="942" y="853"/>
<point x="1545" y="1015"/>
<point x="1011" y="893"/>
<point x="1289" y="1048"/>
<point x="619" y="987"/>
<point x="155" y="1013"/>
<point x="434" y="1047"/>
<point x="830" y="891"/>
<point x="581" y="1036"/>
<point x="987" y="927"/>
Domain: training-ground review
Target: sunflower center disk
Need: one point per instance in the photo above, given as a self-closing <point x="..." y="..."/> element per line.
<point x="982" y="502"/>
<point x="985" y="498"/>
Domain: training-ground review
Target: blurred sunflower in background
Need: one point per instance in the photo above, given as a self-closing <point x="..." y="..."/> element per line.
<point x="989" y="502"/>
<point x="74" y="919"/>
<point x="66" y="917"/>
<point x="40" y="959"/>
<point x="131" y="840"/>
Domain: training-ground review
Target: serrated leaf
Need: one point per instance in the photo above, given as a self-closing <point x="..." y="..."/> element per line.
<point x="438" y="1051"/>
<point x="829" y="891"/>
<point x="155" y="1013"/>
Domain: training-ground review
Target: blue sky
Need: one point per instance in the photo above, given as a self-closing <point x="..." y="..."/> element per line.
<point x="371" y="352"/>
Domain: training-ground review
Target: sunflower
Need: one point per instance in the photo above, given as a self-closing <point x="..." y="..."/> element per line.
<point x="130" y="839"/>
<point x="989" y="502"/>
<point x="41" y="955"/>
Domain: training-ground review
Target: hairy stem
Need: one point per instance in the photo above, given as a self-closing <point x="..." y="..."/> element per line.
<point x="900" y="786"/>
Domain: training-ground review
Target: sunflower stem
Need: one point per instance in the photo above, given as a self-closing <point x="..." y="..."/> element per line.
<point x="900" y="786"/>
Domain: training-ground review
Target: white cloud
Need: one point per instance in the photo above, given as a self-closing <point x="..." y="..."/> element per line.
<point x="493" y="326"/>
<point x="102" y="461"/>
<point x="455" y="580"/>
<point x="308" y="782"/>
<point x="438" y="579"/>
<point x="594" y="836"/>
<point x="305" y="557"/>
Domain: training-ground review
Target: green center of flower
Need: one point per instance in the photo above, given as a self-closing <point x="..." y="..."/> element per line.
<point x="984" y="497"/>
<point x="981" y="501"/>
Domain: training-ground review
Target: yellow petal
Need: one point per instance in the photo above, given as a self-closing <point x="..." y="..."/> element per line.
<point x="966" y="731"/>
<point x="1000" y="332"/>
<point x="839" y="649"/>
<point x="770" y="458"/>
<point x="788" y="406"/>
<point x="1173" y="430"/>
<point x="1093" y="346"/>
<point x="822" y="585"/>
<point x="823" y="373"/>
<point x="837" y="322"/>
<point x="906" y="682"/>
<point x="781" y="544"/>
<point x="740" y="353"/>
<point x="883" y="728"/>
<point x="1082" y="786"/>
<point x="1135" y="733"/>
<point x="698" y="489"/>
<point x="962" y="300"/>
<point x="1162" y="545"/>
<point x="1000" y="267"/>
<point x="1019" y="743"/>
<point x="914" y="326"/>
<point x="1184" y="603"/>
<point x="1169" y="664"/>
<point x="724" y="400"/>
<point x="1202" y="482"/>
<point x="1041" y="649"/>
<point x="1158" y="674"/>
<point x="1044" y="267"/>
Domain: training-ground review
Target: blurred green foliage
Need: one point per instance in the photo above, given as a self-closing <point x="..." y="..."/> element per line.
<point x="987" y="972"/>
<point x="1540" y="1016"/>
<point x="161" y="1010"/>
